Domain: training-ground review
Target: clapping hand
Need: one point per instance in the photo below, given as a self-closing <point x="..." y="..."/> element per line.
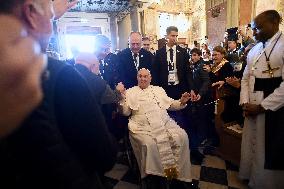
<point x="218" y="83"/>
<point x="233" y="81"/>
<point x="62" y="6"/>
<point x="207" y="68"/>
<point x="194" y="97"/>
<point x="120" y="87"/>
<point x="184" y="98"/>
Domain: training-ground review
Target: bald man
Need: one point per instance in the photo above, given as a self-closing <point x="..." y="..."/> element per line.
<point x="161" y="147"/>
<point x="21" y="65"/>
<point x="132" y="59"/>
<point x="262" y="97"/>
<point x="88" y="65"/>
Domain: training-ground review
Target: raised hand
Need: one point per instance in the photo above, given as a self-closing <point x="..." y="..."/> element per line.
<point x="194" y="97"/>
<point x="219" y="84"/>
<point x="62" y="6"/>
<point x="184" y="98"/>
<point x="120" y="87"/>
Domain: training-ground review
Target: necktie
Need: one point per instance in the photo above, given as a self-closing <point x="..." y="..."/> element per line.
<point x="171" y="55"/>
<point x="171" y="63"/>
<point x="135" y="60"/>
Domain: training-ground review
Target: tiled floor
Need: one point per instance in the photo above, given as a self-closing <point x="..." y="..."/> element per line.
<point x="213" y="173"/>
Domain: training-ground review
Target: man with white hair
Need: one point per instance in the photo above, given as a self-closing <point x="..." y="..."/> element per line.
<point x="88" y="65"/>
<point x="161" y="147"/>
<point x="133" y="59"/>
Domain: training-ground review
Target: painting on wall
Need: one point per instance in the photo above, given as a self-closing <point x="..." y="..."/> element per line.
<point x="150" y="21"/>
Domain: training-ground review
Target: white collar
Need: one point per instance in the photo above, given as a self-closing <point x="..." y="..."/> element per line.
<point x="273" y="38"/>
<point x="134" y="53"/>
<point x="168" y="48"/>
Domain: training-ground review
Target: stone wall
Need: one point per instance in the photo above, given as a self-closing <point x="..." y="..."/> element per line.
<point x="198" y="22"/>
<point x="216" y="26"/>
<point x="124" y="29"/>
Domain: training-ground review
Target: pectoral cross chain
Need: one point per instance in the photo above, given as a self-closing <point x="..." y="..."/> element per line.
<point x="270" y="70"/>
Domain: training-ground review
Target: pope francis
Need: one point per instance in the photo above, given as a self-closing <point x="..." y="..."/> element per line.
<point x="160" y="145"/>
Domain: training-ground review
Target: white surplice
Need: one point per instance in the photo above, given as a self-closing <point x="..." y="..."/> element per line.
<point x="158" y="142"/>
<point x="253" y="139"/>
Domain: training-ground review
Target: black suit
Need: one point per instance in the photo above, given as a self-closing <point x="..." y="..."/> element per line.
<point x="160" y="71"/>
<point x="200" y="113"/>
<point x="109" y="70"/>
<point x="199" y="81"/>
<point x="63" y="142"/>
<point x="127" y="69"/>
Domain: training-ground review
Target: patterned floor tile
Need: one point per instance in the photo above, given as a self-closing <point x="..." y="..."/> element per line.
<point x="214" y="173"/>
<point x="195" y="171"/>
<point x="126" y="185"/>
<point x="234" y="181"/>
<point x="117" y="172"/>
<point x="214" y="162"/>
<point x="232" y="167"/>
<point x="208" y="185"/>
<point x="218" y="176"/>
<point x="131" y="177"/>
<point x="109" y="182"/>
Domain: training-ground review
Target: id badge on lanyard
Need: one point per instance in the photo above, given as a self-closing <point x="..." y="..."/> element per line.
<point x="172" y="77"/>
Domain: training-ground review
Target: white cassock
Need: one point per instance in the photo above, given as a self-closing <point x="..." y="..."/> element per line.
<point x="253" y="139"/>
<point x="158" y="142"/>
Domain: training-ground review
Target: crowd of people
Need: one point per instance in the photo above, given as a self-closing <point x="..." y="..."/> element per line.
<point x="60" y="123"/>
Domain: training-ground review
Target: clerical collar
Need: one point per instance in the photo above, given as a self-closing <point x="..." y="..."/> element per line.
<point x="173" y="47"/>
<point x="273" y="38"/>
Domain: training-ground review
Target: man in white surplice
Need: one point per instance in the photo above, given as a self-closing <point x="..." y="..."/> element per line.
<point x="161" y="147"/>
<point x="262" y="96"/>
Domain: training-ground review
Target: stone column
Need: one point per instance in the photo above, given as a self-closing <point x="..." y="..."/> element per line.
<point x="113" y="31"/>
<point x="233" y="13"/>
<point x="134" y="18"/>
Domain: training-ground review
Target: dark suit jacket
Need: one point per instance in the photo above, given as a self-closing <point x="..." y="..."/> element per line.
<point x="63" y="142"/>
<point x="160" y="67"/>
<point x="199" y="81"/>
<point x="126" y="66"/>
<point x="96" y="84"/>
<point x="109" y="70"/>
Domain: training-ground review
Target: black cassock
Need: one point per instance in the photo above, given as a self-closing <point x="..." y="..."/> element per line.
<point x="274" y="126"/>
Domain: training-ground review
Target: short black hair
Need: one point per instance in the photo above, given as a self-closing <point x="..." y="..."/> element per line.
<point x="171" y="28"/>
<point x="197" y="51"/>
<point x="145" y="38"/>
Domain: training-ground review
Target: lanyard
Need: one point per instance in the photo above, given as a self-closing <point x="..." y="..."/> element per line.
<point x="268" y="57"/>
<point x="263" y="51"/>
